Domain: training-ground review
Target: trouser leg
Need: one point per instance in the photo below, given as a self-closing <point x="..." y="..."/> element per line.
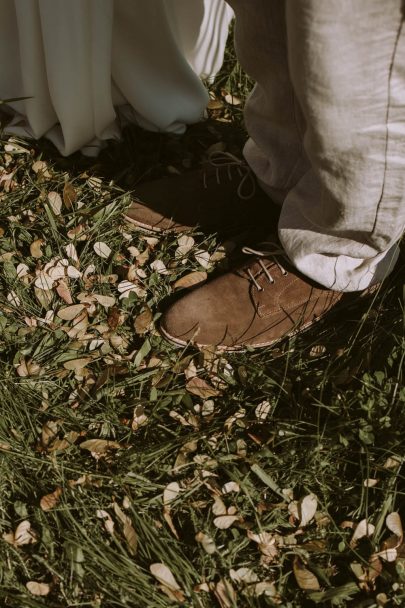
<point x="273" y="117"/>
<point x="343" y="216"/>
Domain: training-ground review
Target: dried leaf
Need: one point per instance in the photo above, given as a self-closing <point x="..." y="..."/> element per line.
<point x="41" y="169"/>
<point x="49" y="432"/>
<point x="144" y="322"/>
<point x="159" y="267"/>
<point x="40" y="589"/>
<point x="243" y="575"/>
<point x="22" y="270"/>
<point x="308" y="509"/>
<point x="232" y="100"/>
<point x="190" y="280"/>
<point x="77" y="364"/>
<point x="99" y="446"/>
<point x="262" y="410"/>
<point x="171" y="492"/>
<point x="35" y="248"/>
<point x="219" y="508"/>
<point x="70" y="312"/>
<point x="203" y="258"/>
<point x="63" y="291"/>
<point x="370" y="483"/>
<point x="207" y="542"/>
<point x="128" y="529"/>
<point x="186" y="243"/>
<point x="108" y="522"/>
<point x="225" y="594"/>
<point x="139" y="418"/>
<point x="201" y="388"/>
<point x="223" y="522"/>
<point x="306" y="580"/>
<point x="102" y="249"/>
<point x="106" y="301"/>
<point x="164" y="575"/>
<point x="69" y="195"/>
<point x="394" y="524"/>
<point x="23" y="535"/>
<point x="55" y="202"/>
<point x="229" y="487"/>
<point x="362" y="529"/>
<point x="71" y="252"/>
<point x="44" y="281"/>
<point x="49" y="501"/>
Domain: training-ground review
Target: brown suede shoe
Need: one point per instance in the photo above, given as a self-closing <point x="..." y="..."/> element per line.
<point x="256" y="305"/>
<point x="223" y="196"/>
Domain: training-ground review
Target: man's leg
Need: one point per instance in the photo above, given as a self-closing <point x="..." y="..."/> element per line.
<point x="344" y="211"/>
<point x="273" y="116"/>
<point x="341" y="219"/>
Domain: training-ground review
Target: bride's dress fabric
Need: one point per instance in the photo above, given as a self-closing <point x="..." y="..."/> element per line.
<point x="87" y="65"/>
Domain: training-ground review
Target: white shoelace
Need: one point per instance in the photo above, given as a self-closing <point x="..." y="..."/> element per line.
<point x="226" y="160"/>
<point x="271" y="253"/>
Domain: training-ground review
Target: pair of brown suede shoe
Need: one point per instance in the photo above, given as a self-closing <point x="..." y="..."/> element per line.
<point x="262" y="300"/>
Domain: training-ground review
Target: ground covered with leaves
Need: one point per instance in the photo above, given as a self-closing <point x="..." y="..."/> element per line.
<point x="137" y="475"/>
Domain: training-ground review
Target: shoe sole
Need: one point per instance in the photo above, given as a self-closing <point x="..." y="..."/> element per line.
<point x="240" y="348"/>
<point x="151" y="229"/>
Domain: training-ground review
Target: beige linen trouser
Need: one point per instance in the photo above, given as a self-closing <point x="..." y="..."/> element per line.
<point x="327" y="130"/>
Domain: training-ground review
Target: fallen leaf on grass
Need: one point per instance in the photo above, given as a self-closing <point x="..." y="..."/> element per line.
<point x="22" y="270"/>
<point x="306" y="580"/>
<point x="71" y="252"/>
<point x="266" y="543"/>
<point x="28" y="367"/>
<point x="49" y="501"/>
<point x="394" y="524"/>
<point x="44" y="281"/>
<point x="190" y="280"/>
<point x="127" y="529"/>
<point x="35" y="248"/>
<point x="23" y="535"/>
<point x="225" y="594"/>
<point x="143" y="322"/>
<point x="102" y="249"/>
<point x="69" y="195"/>
<point x="108" y="521"/>
<point x="63" y="291"/>
<point x="55" y="202"/>
<point x="40" y="589"/>
<point x="77" y="364"/>
<point x="170" y="494"/>
<point x="186" y="243"/>
<point x="169" y="585"/>
<point x="201" y="388"/>
<point x="362" y="529"/>
<point x="99" y="446"/>
<point x="70" y="312"/>
<point x="139" y="419"/>
<point x="159" y="267"/>
<point x="203" y="258"/>
<point x="262" y="410"/>
<point x="106" y="301"/>
<point x="243" y="576"/>
<point x="41" y="169"/>
<point x="308" y="509"/>
<point x="127" y="287"/>
<point x="223" y="522"/>
<point x="49" y="432"/>
<point x="207" y="542"/>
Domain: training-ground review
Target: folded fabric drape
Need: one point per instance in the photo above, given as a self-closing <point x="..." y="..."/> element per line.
<point x="88" y="64"/>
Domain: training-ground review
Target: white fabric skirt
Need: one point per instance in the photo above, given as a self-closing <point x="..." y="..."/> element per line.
<point x="86" y="65"/>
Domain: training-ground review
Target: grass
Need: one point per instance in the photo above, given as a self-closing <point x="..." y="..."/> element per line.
<point x="211" y="479"/>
